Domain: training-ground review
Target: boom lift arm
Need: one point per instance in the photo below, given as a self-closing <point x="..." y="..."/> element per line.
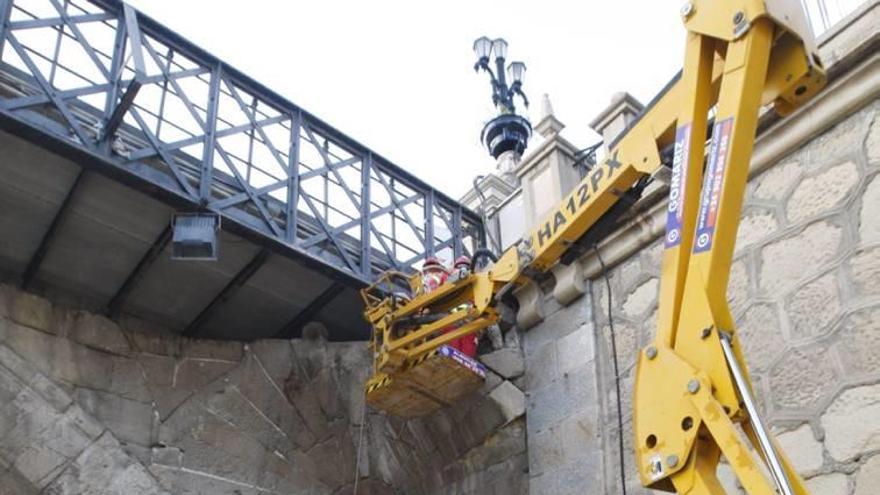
<point x="692" y="387"/>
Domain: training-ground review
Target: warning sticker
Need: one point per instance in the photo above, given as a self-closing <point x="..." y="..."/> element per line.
<point x="675" y="206"/>
<point x="713" y="184"/>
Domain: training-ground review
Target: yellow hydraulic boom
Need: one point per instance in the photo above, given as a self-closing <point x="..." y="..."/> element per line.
<point x="692" y="386"/>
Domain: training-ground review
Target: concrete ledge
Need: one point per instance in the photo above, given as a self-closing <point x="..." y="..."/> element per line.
<point x="569" y="282"/>
<point x="531" y="308"/>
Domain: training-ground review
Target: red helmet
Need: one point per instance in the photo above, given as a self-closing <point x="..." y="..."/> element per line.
<point x="432" y="261"/>
<point x="462" y="260"/>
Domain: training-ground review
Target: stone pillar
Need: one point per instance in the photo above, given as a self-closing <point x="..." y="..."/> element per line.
<point x="619" y="114"/>
<point x="506" y="165"/>
<point x="547" y="174"/>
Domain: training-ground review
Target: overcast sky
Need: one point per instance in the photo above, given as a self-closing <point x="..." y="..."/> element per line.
<point x="398" y="76"/>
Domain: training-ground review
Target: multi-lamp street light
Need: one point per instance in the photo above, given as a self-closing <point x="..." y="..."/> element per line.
<point x="507" y="131"/>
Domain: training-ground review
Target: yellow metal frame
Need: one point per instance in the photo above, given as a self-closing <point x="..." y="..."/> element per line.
<point x="740" y="55"/>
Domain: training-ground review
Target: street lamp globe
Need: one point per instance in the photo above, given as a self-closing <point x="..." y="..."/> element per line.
<point x="482" y="47"/>
<point x="499" y="48"/>
<point x="516" y="71"/>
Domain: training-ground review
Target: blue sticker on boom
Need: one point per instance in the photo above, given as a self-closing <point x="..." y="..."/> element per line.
<point x="675" y="206"/>
<point x="713" y="184"/>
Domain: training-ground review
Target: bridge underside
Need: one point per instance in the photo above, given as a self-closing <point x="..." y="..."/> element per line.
<point x="110" y="123"/>
<point x="99" y="256"/>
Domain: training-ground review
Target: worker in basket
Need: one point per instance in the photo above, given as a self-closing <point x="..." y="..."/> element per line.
<point x="467" y="344"/>
<point x="434" y="274"/>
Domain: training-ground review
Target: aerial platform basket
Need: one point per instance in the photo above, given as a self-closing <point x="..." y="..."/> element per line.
<point x="437" y="380"/>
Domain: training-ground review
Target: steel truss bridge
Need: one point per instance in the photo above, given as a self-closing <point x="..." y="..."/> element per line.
<point x="124" y="98"/>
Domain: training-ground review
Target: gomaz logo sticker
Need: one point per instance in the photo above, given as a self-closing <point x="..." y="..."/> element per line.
<point x="577" y="200"/>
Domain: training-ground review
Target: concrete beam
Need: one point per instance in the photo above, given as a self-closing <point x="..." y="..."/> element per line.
<point x="118" y="300"/>
<point x="294" y="327"/>
<point x="40" y="254"/>
<point x="231" y="288"/>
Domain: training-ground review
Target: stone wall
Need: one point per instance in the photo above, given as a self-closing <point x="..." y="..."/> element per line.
<point x="92" y="405"/>
<point x="562" y="412"/>
<point x="805" y="291"/>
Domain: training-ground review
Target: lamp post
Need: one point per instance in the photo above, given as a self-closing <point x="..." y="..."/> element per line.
<point x="507" y="135"/>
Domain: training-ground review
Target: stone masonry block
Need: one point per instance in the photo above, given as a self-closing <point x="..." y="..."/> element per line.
<point x="852" y="423"/>
<point x="872" y="144"/>
<point x="507" y="362"/>
<point x="803" y="377"/>
<point x="814" y="306"/>
<point x="865" y="268"/>
<point x="787" y="260"/>
<point x="21" y="421"/>
<point x="99" y="332"/>
<point x="859" y="339"/>
<point x="542" y="367"/>
<point x="802" y="448"/>
<point x="181" y="482"/>
<point x="31" y="311"/>
<point x="219" y="448"/>
<point x="158" y="370"/>
<point x="296" y="410"/>
<point x="166" y="456"/>
<point x="510" y="400"/>
<point x="641" y="299"/>
<point x="129" y="420"/>
<point x="761" y="335"/>
<point x="823" y="192"/>
<point x="545" y="450"/>
<point x="626" y="341"/>
<point x="568" y="479"/>
<point x="13" y="483"/>
<point x="575" y="393"/>
<point x="134" y="480"/>
<point x="193" y="374"/>
<point x="580" y="435"/>
<point x="147" y="338"/>
<point x="558" y="324"/>
<point x="53" y="448"/>
<point x="575" y="350"/>
<point x="129" y="380"/>
<point x="60" y="358"/>
<point x="104" y="468"/>
<point x="829" y="484"/>
<point x="652" y="256"/>
<point x="738" y="286"/>
<point x="835" y="144"/>
<point x="869" y="220"/>
<point x="629" y="272"/>
<point x="508" y="442"/>
<point x="10" y="387"/>
<point x="776" y="181"/>
<point x="76" y="416"/>
<point x="225" y="350"/>
<point x="33" y="378"/>
<point x="754" y="227"/>
<point x="7" y="294"/>
<point x="276" y="359"/>
<point x="231" y="406"/>
<point x="333" y="460"/>
<point x="868" y="477"/>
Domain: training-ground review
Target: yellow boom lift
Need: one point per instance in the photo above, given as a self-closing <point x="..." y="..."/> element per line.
<point x="693" y="397"/>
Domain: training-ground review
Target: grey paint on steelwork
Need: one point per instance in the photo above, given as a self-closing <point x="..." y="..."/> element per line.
<point x="248" y="191"/>
<point x="284" y="182"/>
